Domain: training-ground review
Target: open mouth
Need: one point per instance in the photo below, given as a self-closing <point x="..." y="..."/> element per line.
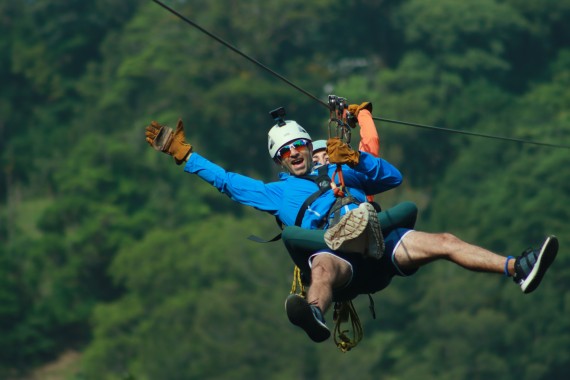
<point x="297" y="162"/>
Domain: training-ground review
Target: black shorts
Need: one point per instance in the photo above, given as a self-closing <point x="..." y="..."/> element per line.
<point x="369" y="275"/>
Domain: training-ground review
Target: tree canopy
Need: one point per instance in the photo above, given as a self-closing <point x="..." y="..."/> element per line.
<point x="110" y="250"/>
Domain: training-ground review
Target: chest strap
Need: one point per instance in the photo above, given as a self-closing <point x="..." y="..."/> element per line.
<point x="323" y="181"/>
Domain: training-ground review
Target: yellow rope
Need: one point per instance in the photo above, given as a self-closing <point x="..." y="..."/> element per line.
<point x="298" y="283"/>
<point x="345" y="312"/>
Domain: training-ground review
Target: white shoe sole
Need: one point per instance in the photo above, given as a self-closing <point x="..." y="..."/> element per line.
<point x="545" y="258"/>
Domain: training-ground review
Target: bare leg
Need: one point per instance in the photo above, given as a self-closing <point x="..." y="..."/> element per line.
<point x="327" y="273"/>
<point x="419" y="248"/>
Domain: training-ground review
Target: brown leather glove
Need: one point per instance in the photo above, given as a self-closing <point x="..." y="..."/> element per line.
<point x="340" y="152"/>
<point x="355" y="108"/>
<point x="164" y="139"/>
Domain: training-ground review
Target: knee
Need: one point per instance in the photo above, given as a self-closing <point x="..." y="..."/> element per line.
<point x="330" y="271"/>
<point x="321" y="272"/>
<point x="448" y="242"/>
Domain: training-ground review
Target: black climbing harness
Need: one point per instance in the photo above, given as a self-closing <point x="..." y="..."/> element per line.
<point x="338" y="127"/>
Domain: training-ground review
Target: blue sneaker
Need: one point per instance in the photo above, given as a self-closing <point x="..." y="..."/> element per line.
<point x="531" y="265"/>
<point x="308" y="317"/>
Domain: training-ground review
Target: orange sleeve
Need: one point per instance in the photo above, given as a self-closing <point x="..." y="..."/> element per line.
<point x="369" y="140"/>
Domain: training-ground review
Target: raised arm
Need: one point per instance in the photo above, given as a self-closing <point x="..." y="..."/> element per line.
<point x="240" y="188"/>
<point x="369" y="140"/>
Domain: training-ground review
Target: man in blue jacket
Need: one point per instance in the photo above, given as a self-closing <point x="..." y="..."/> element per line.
<point x="339" y="271"/>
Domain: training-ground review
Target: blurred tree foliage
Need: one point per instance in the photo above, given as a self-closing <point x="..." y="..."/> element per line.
<point x="109" y="249"/>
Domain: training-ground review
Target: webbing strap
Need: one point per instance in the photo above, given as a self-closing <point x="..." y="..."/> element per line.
<point x="257" y="239"/>
<point x="338" y="205"/>
<point x="323" y="181"/>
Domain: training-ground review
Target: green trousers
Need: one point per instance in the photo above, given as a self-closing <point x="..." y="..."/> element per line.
<point x="403" y="215"/>
<point x="372" y="275"/>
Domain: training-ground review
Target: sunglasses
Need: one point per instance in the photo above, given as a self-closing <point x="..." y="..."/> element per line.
<point x="299" y="145"/>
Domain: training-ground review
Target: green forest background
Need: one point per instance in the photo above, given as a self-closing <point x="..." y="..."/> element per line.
<point x="115" y="259"/>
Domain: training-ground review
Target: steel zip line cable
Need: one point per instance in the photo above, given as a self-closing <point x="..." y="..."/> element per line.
<point x="274" y="73"/>
<point x="477" y="134"/>
<point x="236" y="50"/>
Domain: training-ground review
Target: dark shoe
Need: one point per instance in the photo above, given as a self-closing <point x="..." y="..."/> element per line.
<point x="531" y="265"/>
<point x="308" y="317"/>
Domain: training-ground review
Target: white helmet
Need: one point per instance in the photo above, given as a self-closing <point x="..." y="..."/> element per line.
<point x="319" y="145"/>
<point x="279" y="136"/>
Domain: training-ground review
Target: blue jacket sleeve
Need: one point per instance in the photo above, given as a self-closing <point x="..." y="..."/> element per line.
<point x="380" y="174"/>
<point x="240" y="188"/>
